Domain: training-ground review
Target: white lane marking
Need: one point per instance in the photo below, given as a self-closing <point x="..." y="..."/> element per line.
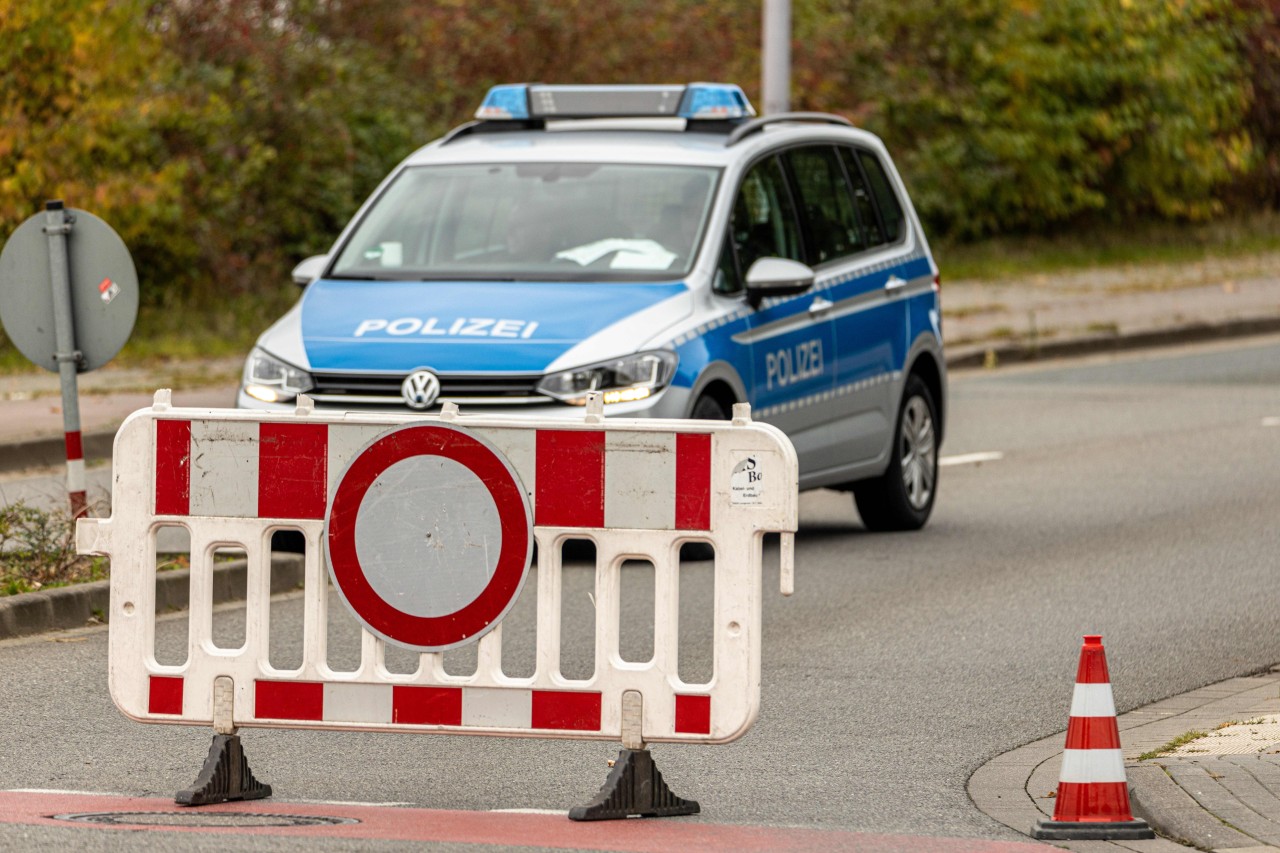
<point x="530" y="811"/>
<point x="971" y="458"/>
<point x="1271" y="421"/>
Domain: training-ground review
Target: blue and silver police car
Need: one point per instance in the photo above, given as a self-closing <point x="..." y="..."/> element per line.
<point x="659" y="244"/>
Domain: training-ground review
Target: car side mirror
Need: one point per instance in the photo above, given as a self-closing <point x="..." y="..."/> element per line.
<point x="777" y="277"/>
<point x="309" y="270"/>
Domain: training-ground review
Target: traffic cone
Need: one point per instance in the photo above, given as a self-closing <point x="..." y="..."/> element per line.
<point x="1093" y="796"/>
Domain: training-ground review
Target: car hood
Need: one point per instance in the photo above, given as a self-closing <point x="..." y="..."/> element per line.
<point x="480" y="327"/>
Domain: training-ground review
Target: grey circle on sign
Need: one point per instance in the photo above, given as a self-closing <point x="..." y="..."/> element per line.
<point x="429" y="535"/>
<point x="104" y="290"/>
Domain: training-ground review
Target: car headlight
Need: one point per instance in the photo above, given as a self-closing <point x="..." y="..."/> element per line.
<point x="622" y="380"/>
<point x="270" y="380"/>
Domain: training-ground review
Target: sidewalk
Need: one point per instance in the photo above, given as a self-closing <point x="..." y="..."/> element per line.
<point x="1219" y="792"/>
<point x="1073" y="313"/>
<point x="31" y="429"/>
<point x="984" y="324"/>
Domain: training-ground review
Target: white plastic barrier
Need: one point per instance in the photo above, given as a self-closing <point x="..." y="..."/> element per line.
<point x="369" y="493"/>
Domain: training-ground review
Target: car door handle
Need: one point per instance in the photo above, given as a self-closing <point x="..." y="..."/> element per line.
<point x="895" y="283"/>
<point x="819" y="306"/>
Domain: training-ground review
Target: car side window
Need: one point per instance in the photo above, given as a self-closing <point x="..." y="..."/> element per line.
<point x="868" y="219"/>
<point x="764" y="218"/>
<point x="890" y="208"/>
<point x="826" y="204"/>
<point x="727" y="280"/>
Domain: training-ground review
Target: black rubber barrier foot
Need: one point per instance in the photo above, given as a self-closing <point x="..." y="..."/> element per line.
<point x="225" y="776"/>
<point x="1074" y="830"/>
<point x="634" y="789"/>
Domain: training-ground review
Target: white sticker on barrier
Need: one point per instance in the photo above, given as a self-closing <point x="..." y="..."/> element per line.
<point x="425" y="527"/>
<point x="747" y="482"/>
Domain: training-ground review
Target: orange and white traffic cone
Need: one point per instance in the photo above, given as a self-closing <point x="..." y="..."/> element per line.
<point x="1093" y="795"/>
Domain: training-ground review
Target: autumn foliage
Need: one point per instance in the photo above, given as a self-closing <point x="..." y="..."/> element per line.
<point x="227" y="139"/>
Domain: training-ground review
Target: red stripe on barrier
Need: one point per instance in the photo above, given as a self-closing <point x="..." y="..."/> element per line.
<point x="693" y="481"/>
<point x="567" y="710"/>
<point x="288" y="700"/>
<point x="75" y="449"/>
<point x="1092" y="802"/>
<point x="173" y="467"/>
<point x="164" y="695"/>
<point x="426" y="706"/>
<point x="1093" y="733"/>
<point x="693" y="715"/>
<point x="570" y="478"/>
<point x="292" y="470"/>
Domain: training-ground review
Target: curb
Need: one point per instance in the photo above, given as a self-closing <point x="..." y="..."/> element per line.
<point x="52" y="451"/>
<point x="1014" y="788"/>
<point x="1017" y="353"/>
<point x="75" y="606"/>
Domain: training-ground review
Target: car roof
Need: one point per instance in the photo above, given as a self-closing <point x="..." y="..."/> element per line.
<point x="619" y="142"/>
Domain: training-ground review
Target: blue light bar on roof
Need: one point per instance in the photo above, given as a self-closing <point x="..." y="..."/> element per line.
<point x="715" y="101"/>
<point x="505" y="102"/>
<point x="701" y="101"/>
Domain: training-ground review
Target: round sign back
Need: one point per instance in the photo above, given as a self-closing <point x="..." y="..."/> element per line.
<point x="429" y="536"/>
<point x="104" y="290"/>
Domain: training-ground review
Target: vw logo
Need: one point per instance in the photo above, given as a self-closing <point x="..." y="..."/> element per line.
<point x="420" y="389"/>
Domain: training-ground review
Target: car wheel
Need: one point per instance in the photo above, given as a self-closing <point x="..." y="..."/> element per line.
<point x="708" y="408"/>
<point x="902" y="497"/>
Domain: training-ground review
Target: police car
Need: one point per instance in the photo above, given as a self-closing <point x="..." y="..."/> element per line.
<point x="659" y="244"/>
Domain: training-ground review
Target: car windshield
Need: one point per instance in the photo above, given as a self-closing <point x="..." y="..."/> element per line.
<point x="533" y="221"/>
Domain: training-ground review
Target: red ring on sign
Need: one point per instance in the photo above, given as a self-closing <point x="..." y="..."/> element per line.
<point x="451" y="629"/>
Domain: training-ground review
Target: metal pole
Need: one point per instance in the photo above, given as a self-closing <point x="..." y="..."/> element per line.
<point x="57" y="226"/>
<point x="776" y="57"/>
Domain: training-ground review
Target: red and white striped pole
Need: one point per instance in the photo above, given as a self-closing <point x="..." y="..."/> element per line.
<point x="57" y="226"/>
<point x="75" y="472"/>
<point x="1093" y="794"/>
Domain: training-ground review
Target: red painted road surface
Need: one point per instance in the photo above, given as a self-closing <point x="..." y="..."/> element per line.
<point x="657" y="835"/>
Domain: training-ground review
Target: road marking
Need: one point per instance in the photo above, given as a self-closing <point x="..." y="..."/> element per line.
<point x="971" y="458"/>
<point x="529" y="811"/>
<point x="1271" y="421"/>
<point x="425" y="826"/>
<point x="438" y="827"/>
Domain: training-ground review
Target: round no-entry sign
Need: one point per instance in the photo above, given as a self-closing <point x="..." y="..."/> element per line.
<point x="429" y="536"/>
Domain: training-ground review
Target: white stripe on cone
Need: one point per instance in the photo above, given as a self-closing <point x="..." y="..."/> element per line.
<point x="1092" y="765"/>
<point x="1092" y="700"/>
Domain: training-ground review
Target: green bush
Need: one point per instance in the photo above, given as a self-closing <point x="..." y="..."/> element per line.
<point x="227" y="140"/>
<point x="1021" y="116"/>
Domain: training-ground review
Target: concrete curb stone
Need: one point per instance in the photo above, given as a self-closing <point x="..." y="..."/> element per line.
<point x="1012" y="788"/>
<point x="75" y="606"/>
<point x="1012" y="353"/>
<point x="1161" y="802"/>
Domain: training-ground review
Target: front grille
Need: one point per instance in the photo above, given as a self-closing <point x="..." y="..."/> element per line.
<point x="384" y="390"/>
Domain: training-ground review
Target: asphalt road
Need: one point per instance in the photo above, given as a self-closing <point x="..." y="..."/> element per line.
<point x="1136" y="497"/>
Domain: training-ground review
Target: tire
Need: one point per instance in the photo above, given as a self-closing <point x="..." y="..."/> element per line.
<point x="902" y="497"/>
<point x="708" y="408"/>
